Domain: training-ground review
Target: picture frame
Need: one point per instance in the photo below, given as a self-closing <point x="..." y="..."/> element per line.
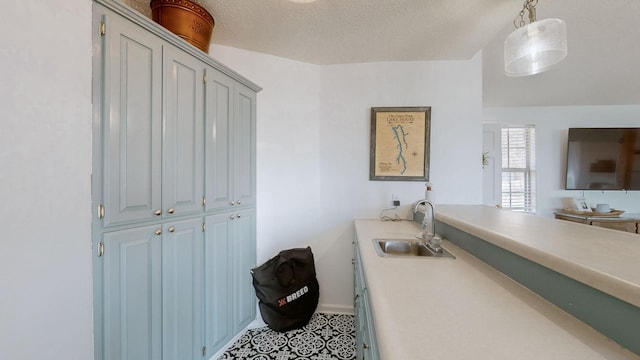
<point x="400" y="143"/>
<point x="580" y="204"/>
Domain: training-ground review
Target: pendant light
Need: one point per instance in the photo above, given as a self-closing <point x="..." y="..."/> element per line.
<point x="534" y="47"/>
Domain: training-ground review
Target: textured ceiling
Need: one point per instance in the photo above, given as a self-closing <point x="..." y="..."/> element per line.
<point x="603" y="38"/>
<point x="353" y="31"/>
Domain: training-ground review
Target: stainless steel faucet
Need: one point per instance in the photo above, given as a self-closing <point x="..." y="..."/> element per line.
<point x="433" y="223"/>
<point x="433" y="241"/>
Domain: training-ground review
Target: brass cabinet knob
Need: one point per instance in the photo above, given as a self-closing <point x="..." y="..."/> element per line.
<point x="158" y="212"/>
<point x="232" y="217"/>
<point x="170" y="210"/>
<point x="172" y="229"/>
<point x="238" y="202"/>
<point x="158" y="231"/>
<point x="232" y="203"/>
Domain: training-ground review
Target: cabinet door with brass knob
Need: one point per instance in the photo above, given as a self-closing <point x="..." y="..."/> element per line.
<point x="230" y="253"/>
<point x="131" y="123"/>
<point x="131" y="293"/>
<point x="219" y="126"/>
<point x="230" y="143"/>
<point x="153" y="148"/>
<point x="244" y="146"/>
<point x="183" y="143"/>
<point x="182" y="288"/>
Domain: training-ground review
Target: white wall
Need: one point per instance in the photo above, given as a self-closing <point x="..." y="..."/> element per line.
<point x="313" y="150"/>
<point x="551" y="124"/>
<point x="45" y="161"/>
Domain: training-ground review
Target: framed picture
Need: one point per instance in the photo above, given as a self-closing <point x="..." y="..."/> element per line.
<point x="580" y="204"/>
<point x="400" y="143"/>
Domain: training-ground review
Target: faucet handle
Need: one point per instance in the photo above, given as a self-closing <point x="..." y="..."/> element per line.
<point x="435" y="243"/>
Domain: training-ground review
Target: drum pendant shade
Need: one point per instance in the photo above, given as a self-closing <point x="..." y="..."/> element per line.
<point x="534" y="48"/>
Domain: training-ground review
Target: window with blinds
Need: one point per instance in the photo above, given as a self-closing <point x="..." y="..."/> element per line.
<point x="519" y="169"/>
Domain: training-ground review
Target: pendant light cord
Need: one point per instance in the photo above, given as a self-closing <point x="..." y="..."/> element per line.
<point x="530" y="6"/>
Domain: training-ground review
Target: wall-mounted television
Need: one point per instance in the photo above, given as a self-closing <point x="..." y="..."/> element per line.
<point x="603" y="159"/>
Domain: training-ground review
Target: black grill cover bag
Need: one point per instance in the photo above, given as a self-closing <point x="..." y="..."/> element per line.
<point x="287" y="288"/>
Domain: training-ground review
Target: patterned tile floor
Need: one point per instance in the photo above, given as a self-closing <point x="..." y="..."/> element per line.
<point x="326" y="337"/>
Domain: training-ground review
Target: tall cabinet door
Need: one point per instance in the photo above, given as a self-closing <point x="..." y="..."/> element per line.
<point x="132" y="294"/>
<point x="182" y="290"/>
<point x="244" y="146"/>
<point x="230" y="254"/>
<point x="219" y="117"/>
<point x="219" y="328"/>
<point x="132" y="121"/>
<point x="244" y="255"/>
<point x="183" y="140"/>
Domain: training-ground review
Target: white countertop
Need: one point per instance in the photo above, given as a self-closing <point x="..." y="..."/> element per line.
<point x="464" y="309"/>
<point x="605" y="259"/>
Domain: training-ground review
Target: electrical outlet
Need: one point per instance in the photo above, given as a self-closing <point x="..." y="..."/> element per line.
<point x="394" y="200"/>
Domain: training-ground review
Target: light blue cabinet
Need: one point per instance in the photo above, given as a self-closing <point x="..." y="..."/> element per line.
<point x="182" y="140"/>
<point x="153" y="292"/>
<point x="219" y="90"/>
<point x="229" y="294"/>
<point x="154" y="121"/>
<point x="366" y="346"/>
<point x="171" y="125"/>
<point x="132" y="311"/>
<point x="244" y="147"/>
<point x="230" y="143"/>
<point x="218" y="282"/>
<point x="182" y="290"/>
<point x="244" y="255"/>
<point x="132" y="120"/>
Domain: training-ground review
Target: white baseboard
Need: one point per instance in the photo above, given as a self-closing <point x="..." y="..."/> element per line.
<point x="257" y="323"/>
<point x="335" y="309"/>
<point x="230" y="343"/>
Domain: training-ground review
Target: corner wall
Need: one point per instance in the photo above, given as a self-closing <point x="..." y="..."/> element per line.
<point x="46" y="303"/>
<point x="313" y="150"/>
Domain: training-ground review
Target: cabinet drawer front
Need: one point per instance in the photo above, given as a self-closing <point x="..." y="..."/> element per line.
<point x="624" y="226"/>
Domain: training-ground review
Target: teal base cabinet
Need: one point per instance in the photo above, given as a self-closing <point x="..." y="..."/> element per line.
<point x="182" y="290"/>
<point x="229" y="294"/>
<point x="132" y="310"/>
<point x="366" y="346"/>
<point x="244" y="257"/>
<point x="153" y="292"/>
<point x="173" y="193"/>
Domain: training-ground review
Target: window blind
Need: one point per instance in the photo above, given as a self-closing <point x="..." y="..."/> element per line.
<point x="518" y="168"/>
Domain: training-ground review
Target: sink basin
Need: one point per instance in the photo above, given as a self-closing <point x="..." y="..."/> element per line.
<point x="408" y="249"/>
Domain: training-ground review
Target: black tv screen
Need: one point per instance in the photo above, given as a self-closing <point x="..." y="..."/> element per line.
<point x="603" y="159"/>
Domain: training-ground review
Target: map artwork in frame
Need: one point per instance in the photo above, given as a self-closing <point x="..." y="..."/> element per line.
<point x="400" y="143"/>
